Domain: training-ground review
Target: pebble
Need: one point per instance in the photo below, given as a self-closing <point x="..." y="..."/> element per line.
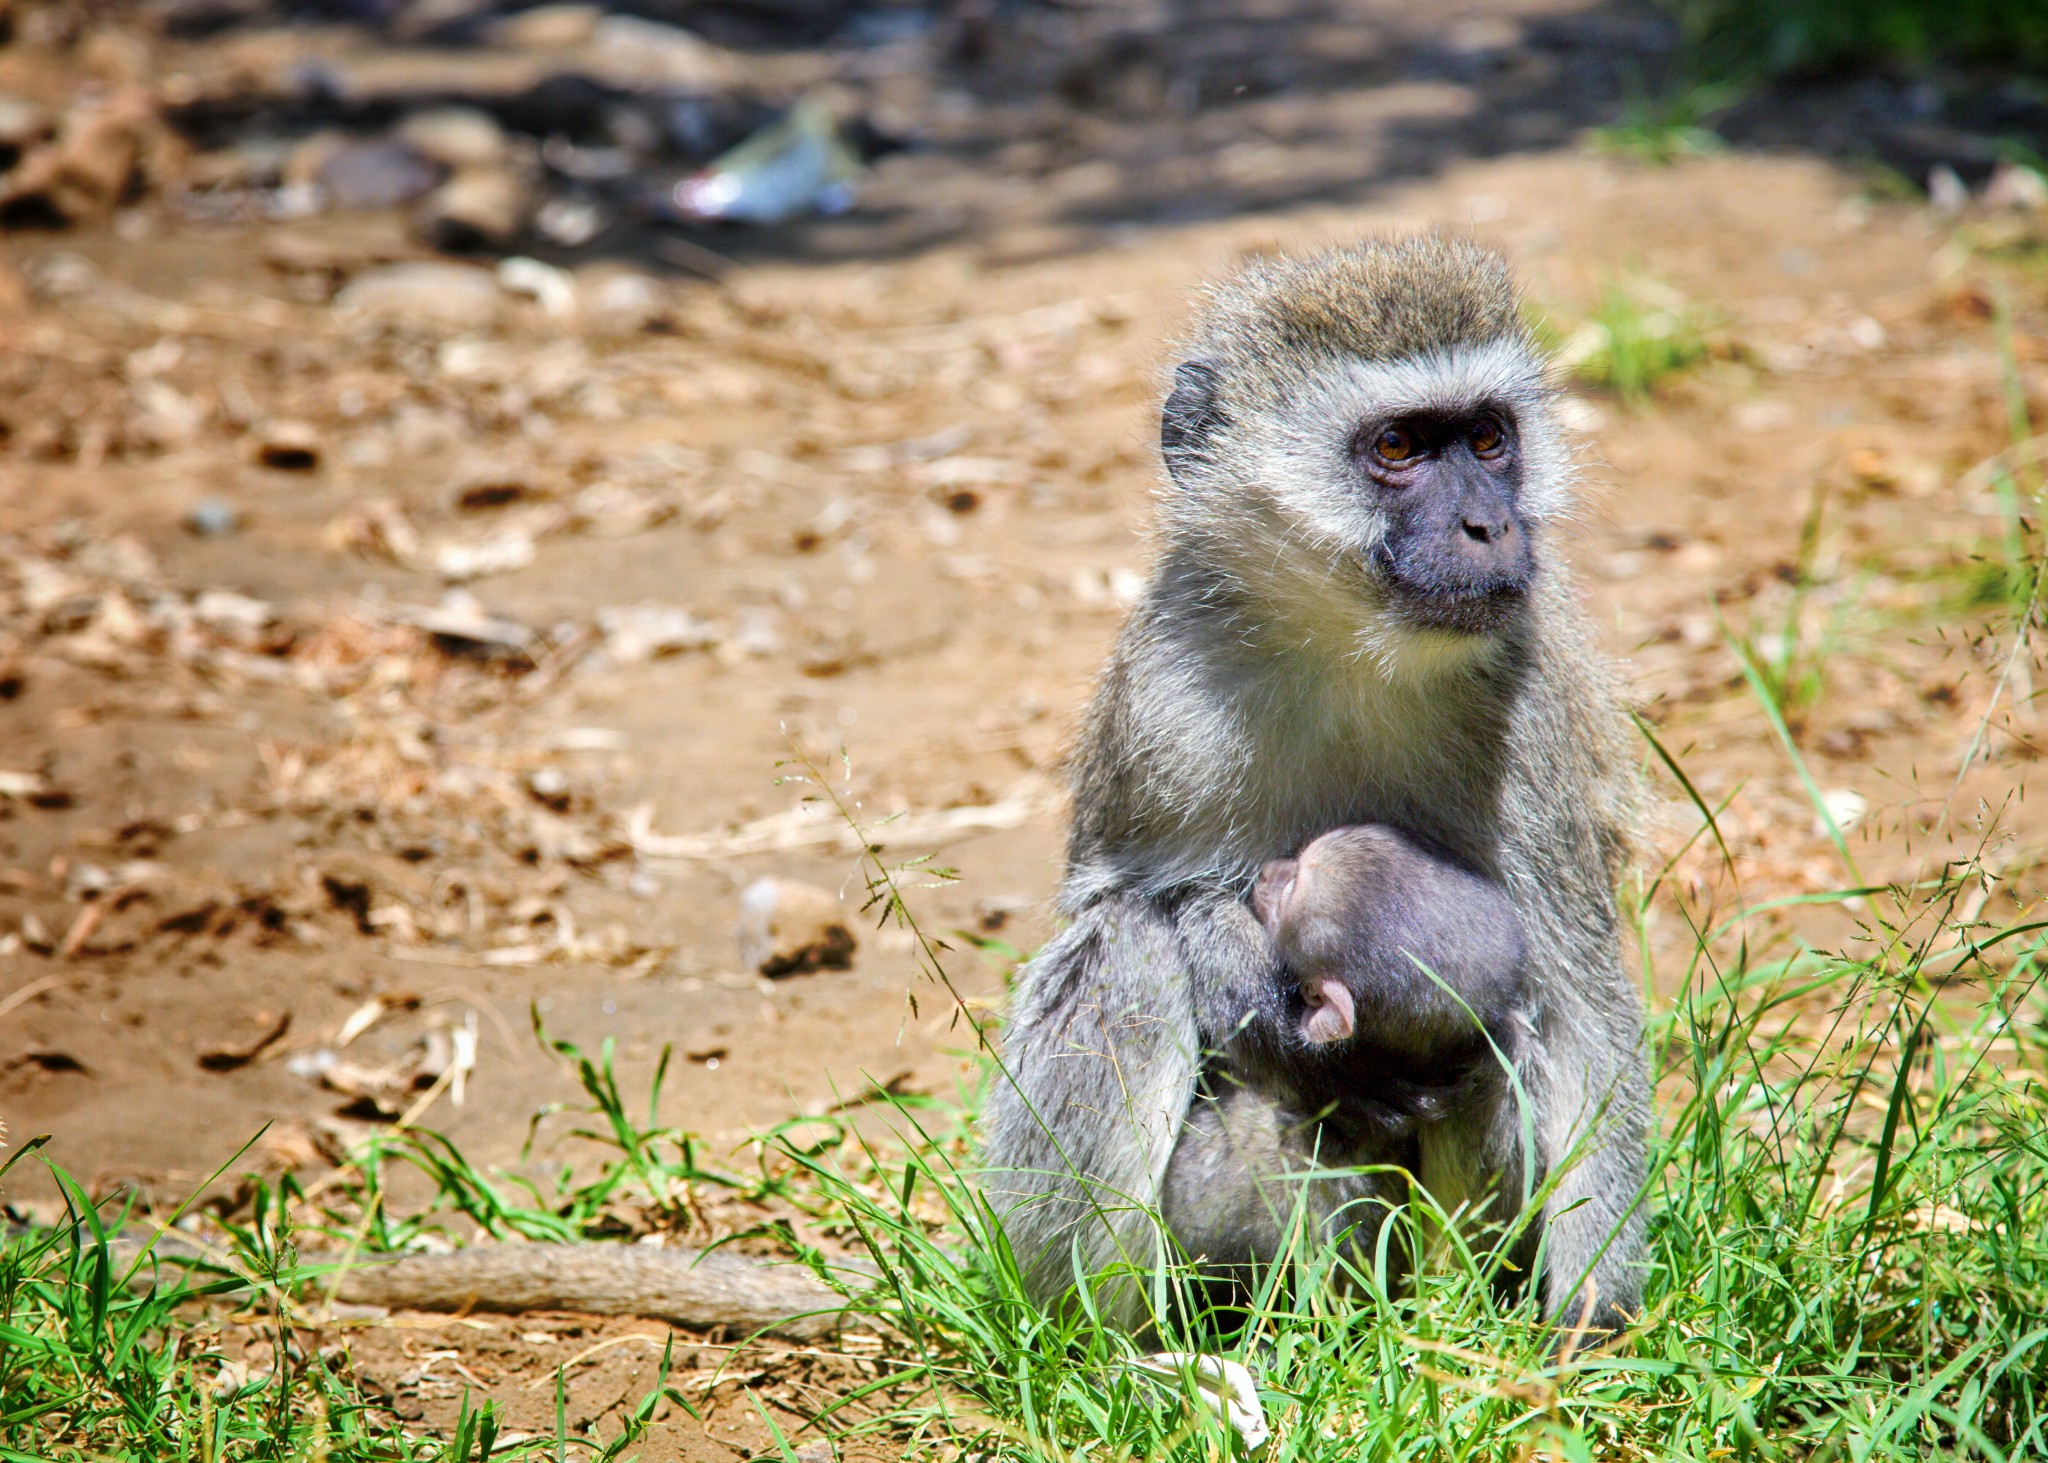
<point x="549" y="784"/>
<point x="478" y="208"/>
<point x="375" y="175"/>
<point x="422" y="291"/>
<point x="456" y="137"/>
<point x="212" y="518"/>
<point x="554" y="290"/>
<point x="627" y="298"/>
<point x="289" y="447"/>
<point x="223" y="609"/>
<point x="548" y="27"/>
<point x="788" y="927"/>
<point x="634" y="634"/>
<point x="23" y="123"/>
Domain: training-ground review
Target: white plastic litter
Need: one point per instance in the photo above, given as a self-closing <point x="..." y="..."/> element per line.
<point x="1225" y="1386"/>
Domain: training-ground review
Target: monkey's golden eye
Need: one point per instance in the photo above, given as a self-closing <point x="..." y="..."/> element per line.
<point x="1487" y="438"/>
<point x="1394" y="445"/>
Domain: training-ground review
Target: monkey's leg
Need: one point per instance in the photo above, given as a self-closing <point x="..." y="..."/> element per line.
<point x="1226" y="1197"/>
<point x="1249" y="1176"/>
<point x="1592" y="1111"/>
<point x="1479" y="1163"/>
<point x="1098" y="1067"/>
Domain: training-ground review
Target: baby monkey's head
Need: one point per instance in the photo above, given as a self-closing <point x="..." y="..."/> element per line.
<point x="1388" y="942"/>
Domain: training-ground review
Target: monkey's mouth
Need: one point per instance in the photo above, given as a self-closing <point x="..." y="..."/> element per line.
<point x="1451" y="593"/>
<point x="1482" y="609"/>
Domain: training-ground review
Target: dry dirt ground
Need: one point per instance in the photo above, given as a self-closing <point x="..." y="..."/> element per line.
<point x="482" y="706"/>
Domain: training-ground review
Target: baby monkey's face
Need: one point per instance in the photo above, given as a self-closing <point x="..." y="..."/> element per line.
<point x="1320" y="909"/>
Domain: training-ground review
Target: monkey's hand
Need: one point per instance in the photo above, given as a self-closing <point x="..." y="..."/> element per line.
<point x="1241" y="987"/>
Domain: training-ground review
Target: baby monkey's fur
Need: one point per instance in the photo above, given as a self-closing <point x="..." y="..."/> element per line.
<point x="1404" y="982"/>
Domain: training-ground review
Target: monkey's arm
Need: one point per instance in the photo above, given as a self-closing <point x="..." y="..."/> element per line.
<point x="1098" y="1067"/>
<point x="1590" y="1080"/>
<point x="1240" y="989"/>
<point x="1591" y="1098"/>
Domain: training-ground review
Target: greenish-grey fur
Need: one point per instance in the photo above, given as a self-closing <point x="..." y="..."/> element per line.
<point x="1282" y="319"/>
<point x="1264" y="691"/>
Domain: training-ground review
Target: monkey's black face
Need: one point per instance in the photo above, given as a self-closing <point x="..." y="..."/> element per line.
<point x="1455" y="555"/>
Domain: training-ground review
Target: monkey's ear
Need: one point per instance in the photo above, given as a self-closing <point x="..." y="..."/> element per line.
<point x="1190" y="416"/>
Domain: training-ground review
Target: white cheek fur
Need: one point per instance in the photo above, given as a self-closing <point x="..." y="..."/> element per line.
<point x="1299" y="552"/>
<point x="1308" y="446"/>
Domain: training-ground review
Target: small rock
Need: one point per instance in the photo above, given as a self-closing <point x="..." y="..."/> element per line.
<point x="501" y="554"/>
<point x="571" y="222"/>
<point x="455" y="137"/>
<point x="1946" y="191"/>
<point x="791" y="928"/>
<point x="547" y="28"/>
<point x="289" y="447"/>
<point x="630" y="49"/>
<point x="375" y="175"/>
<point x="549" y="785"/>
<point x="637" y="633"/>
<point x="23" y="124"/>
<point x="2016" y="188"/>
<point x="65" y="276"/>
<point x="1845" y="809"/>
<point x="554" y="290"/>
<point x="85" y="170"/>
<point x="223" y="609"/>
<point x="212" y="518"/>
<point x="462" y="626"/>
<point x="440" y="294"/>
<point x="628" y="299"/>
<point x="477" y="209"/>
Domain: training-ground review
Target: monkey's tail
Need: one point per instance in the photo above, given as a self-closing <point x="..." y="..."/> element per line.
<point x="691" y="1288"/>
<point x="700" y="1289"/>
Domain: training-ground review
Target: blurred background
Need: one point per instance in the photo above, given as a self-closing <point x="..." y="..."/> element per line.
<point x="454" y="455"/>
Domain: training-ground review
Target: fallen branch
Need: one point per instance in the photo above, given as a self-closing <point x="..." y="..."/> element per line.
<point x="812" y="825"/>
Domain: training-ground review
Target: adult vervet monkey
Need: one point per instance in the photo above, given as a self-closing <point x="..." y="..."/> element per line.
<point x="1357" y="616"/>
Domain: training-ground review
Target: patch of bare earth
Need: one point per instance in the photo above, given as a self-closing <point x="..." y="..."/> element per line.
<point x="479" y="710"/>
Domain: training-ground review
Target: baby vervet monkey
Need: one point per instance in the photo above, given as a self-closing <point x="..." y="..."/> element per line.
<point x="1398" y="1009"/>
<point x="1405" y="972"/>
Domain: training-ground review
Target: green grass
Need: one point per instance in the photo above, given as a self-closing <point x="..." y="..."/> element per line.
<point x="1752" y="39"/>
<point x="1666" y="129"/>
<point x="1849" y="1260"/>
<point x="1639" y="335"/>
<point x="107" y="1356"/>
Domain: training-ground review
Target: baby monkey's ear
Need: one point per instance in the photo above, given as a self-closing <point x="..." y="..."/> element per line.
<point x="1331" y="1014"/>
<point x="1190" y="417"/>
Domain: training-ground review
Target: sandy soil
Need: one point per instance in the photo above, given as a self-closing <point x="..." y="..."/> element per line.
<point x="251" y="790"/>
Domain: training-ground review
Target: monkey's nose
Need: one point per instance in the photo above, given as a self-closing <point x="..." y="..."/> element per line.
<point x="1489" y="530"/>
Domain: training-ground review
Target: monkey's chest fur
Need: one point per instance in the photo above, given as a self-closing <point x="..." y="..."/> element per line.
<point x="1201" y="760"/>
<point x="1205" y="755"/>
